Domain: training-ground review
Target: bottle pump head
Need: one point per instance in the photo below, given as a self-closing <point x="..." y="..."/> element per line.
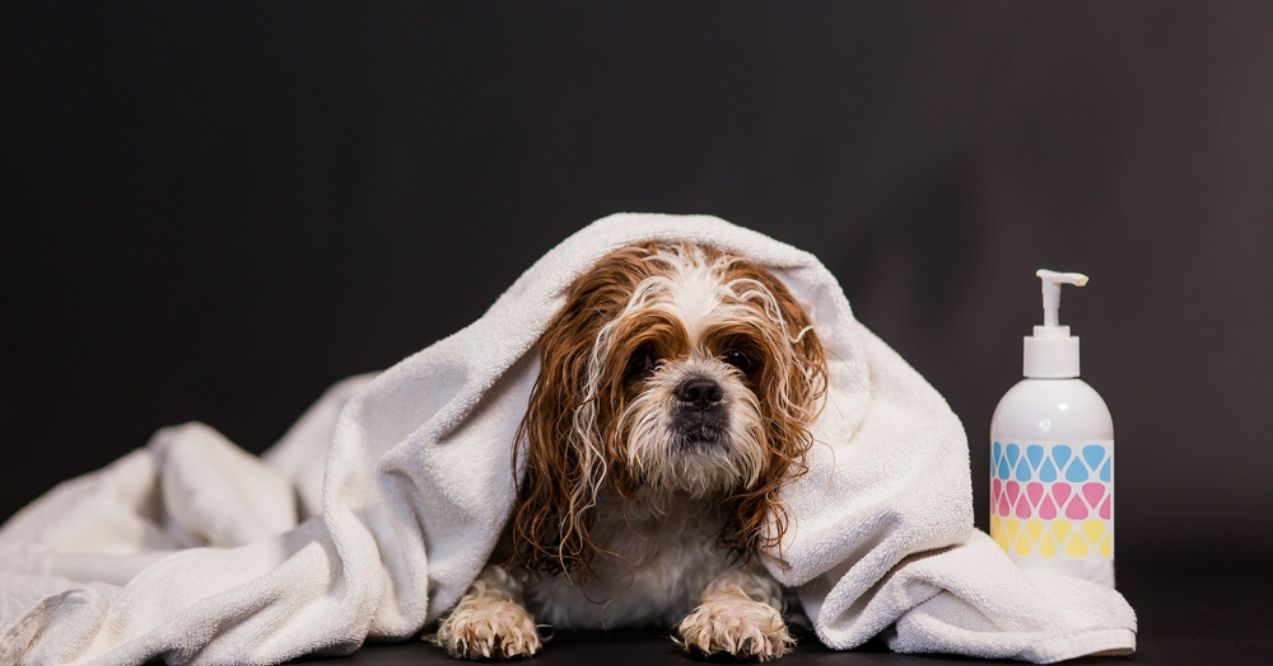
<point x="1052" y="353"/>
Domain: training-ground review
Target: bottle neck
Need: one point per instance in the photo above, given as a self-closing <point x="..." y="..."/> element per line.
<point x="1048" y="357"/>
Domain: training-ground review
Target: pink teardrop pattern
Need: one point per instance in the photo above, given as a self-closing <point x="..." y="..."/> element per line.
<point x="1076" y="509"/>
<point x="1047" y="508"/>
<point x="1029" y="499"/>
<point x="1034" y="490"/>
<point x="1060" y="493"/>
<point x="1093" y="492"/>
<point x="1023" y="508"/>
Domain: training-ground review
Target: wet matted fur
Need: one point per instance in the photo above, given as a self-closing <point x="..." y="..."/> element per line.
<point x="675" y="389"/>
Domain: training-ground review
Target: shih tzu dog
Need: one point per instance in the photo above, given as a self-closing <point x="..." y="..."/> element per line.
<point x="673" y="401"/>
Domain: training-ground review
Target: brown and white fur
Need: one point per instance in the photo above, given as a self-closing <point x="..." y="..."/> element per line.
<point x="674" y="394"/>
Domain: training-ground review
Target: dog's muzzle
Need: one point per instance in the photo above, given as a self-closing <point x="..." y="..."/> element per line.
<point x="700" y="418"/>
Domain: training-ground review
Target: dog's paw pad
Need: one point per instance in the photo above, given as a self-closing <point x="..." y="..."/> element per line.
<point x="492" y="630"/>
<point x="738" y="628"/>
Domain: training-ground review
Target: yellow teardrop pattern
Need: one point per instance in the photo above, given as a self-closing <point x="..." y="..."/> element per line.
<point x="1023" y="544"/>
<point x="1092" y="529"/>
<point x="1011" y="527"/>
<point x="1076" y="547"/>
<point x="1060" y="529"/>
<point x="1034" y="527"/>
<point x="1107" y="546"/>
<point x="1048" y="547"/>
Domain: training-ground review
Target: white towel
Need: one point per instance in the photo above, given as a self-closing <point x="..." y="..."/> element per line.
<point x="417" y="485"/>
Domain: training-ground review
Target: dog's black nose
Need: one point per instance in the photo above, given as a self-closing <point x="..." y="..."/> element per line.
<point x="699" y="391"/>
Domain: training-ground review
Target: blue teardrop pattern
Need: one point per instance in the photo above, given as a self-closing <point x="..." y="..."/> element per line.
<point x="1093" y="454"/>
<point x="1061" y="455"/>
<point x="1021" y="462"/>
<point x="1076" y="473"/>
<point x="1047" y="473"/>
<point x="1023" y="471"/>
<point x="1034" y="453"/>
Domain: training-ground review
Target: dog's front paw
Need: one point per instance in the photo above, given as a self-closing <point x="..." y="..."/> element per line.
<point x="735" y="627"/>
<point x="489" y="629"/>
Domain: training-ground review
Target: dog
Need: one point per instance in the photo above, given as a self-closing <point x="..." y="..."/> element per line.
<point x="675" y="390"/>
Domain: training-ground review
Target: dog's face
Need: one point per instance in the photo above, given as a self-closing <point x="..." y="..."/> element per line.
<point x="672" y="368"/>
<point x="682" y="368"/>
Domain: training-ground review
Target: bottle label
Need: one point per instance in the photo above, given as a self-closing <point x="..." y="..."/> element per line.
<point x="1053" y="499"/>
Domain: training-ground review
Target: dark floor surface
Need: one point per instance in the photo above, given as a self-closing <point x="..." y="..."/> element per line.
<point x="1222" y="618"/>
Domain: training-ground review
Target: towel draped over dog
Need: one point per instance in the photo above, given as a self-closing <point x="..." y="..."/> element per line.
<point x="190" y="549"/>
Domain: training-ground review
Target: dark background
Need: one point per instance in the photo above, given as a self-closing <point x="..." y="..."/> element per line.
<point x="214" y="211"/>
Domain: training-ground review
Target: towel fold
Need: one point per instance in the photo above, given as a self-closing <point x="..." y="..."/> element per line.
<point x="375" y="512"/>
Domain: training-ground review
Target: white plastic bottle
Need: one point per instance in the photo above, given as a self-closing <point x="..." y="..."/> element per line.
<point x="1052" y="457"/>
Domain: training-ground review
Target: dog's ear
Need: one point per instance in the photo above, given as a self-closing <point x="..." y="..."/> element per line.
<point x="791" y="387"/>
<point x="548" y="531"/>
<point x="799" y="392"/>
<point x="560" y="440"/>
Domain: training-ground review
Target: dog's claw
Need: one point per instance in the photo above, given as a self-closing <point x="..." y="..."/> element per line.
<point x="737" y="628"/>
<point x="494" y="630"/>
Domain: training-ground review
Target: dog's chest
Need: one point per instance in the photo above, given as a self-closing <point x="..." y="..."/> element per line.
<point x="661" y="566"/>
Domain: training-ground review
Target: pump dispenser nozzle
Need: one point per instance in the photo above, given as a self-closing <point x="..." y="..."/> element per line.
<point x="1052" y="353"/>
<point x="1052" y="282"/>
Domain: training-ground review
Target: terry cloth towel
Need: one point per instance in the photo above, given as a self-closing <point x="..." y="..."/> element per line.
<point x="190" y="550"/>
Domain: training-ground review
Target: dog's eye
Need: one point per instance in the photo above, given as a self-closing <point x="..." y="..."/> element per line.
<point x="642" y="362"/>
<point x="739" y="360"/>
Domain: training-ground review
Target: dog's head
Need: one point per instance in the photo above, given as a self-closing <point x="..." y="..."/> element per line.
<point x="672" y="368"/>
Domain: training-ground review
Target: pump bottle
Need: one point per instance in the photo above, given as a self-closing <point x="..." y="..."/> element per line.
<point x="1052" y="456"/>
